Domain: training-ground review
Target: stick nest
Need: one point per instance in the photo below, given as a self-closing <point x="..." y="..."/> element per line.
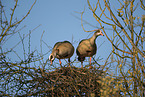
<point x="67" y="81"/>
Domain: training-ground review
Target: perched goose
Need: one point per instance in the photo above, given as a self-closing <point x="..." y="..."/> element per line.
<point x="62" y="50"/>
<point x="87" y="47"/>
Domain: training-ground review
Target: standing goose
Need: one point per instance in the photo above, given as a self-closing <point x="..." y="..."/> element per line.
<point x="62" y="50"/>
<point x="87" y="47"/>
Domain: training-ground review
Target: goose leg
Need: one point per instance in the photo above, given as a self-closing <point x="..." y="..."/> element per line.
<point x="81" y="59"/>
<point x="60" y="62"/>
<point x="81" y="64"/>
<point x="90" y="60"/>
<point x="90" y="63"/>
<point x="69" y="61"/>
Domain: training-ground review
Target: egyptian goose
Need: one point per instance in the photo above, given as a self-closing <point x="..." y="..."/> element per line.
<point x="87" y="47"/>
<point x="62" y="50"/>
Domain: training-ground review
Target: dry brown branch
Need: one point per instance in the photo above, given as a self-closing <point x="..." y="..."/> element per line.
<point x="119" y="24"/>
<point x="14" y="24"/>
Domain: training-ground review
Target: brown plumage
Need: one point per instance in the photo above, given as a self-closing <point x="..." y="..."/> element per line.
<point x="87" y="47"/>
<point x="62" y="50"/>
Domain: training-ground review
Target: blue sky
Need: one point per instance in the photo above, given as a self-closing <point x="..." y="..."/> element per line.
<point x="58" y="21"/>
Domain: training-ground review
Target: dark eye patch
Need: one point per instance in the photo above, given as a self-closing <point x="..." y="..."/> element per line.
<point x="51" y="57"/>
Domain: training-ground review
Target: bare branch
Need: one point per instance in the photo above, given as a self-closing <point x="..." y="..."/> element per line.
<point x="130" y="40"/>
<point x="14" y="24"/>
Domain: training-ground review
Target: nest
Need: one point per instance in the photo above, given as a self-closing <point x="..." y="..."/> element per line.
<point x="67" y="81"/>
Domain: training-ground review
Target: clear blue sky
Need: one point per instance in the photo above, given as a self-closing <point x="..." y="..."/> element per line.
<point x="59" y="23"/>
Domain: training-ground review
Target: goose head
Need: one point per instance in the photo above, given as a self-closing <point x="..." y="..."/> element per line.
<point x="98" y="33"/>
<point x="53" y="55"/>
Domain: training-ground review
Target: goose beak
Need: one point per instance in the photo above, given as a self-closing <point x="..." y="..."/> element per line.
<point x="102" y="34"/>
<point x="50" y="62"/>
